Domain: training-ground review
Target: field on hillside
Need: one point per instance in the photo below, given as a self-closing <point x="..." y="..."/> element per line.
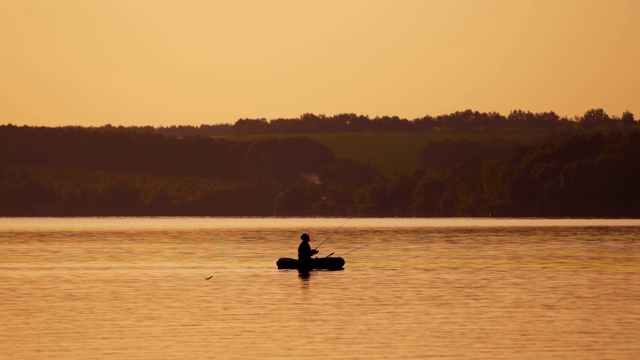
<point x="391" y="152"/>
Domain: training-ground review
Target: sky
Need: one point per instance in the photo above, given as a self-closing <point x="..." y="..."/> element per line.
<point x="191" y="62"/>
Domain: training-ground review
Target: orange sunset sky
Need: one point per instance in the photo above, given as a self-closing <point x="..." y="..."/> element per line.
<point x="172" y="62"/>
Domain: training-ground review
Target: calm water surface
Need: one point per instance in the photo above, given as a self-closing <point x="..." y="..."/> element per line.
<point x="415" y="288"/>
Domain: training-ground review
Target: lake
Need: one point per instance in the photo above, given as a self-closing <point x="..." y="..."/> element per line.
<point x="136" y="288"/>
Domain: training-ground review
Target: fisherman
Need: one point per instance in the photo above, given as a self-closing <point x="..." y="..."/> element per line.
<point x="304" y="250"/>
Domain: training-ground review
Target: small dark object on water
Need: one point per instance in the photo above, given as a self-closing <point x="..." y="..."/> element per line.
<point x="208" y="277"/>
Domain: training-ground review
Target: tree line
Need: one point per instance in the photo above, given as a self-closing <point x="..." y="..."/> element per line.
<point x="467" y="121"/>
<point x="101" y="171"/>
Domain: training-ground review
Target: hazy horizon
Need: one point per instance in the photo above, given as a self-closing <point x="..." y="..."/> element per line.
<point x="163" y="62"/>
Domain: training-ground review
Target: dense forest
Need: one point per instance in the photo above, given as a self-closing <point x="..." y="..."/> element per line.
<point x="75" y="171"/>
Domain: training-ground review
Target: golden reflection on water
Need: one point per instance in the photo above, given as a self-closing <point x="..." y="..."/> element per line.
<point x="466" y="292"/>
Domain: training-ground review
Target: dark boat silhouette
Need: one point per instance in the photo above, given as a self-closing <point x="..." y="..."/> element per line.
<point x="325" y="263"/>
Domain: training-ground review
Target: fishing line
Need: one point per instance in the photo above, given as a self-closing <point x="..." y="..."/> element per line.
<point x="348" y="252"/>
<point x="335" y="231"/>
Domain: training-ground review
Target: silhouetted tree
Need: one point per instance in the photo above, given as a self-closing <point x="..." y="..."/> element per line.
<point x="595" y="118"/>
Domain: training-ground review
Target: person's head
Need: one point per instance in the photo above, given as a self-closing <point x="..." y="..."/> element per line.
<point x="304" y="237"/>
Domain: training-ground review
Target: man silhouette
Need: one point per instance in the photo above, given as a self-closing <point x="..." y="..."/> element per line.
<point x="304" y="250"/>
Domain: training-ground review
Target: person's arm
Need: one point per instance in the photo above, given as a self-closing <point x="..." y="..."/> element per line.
<point x="305" y="250"/>
<point x="311" y="251"/>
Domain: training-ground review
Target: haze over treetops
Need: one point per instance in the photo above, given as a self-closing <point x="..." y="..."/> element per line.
<point x="163" y="62"/>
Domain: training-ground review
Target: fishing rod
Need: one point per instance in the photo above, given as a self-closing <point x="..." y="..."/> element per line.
<point x="348" y="252"/>
<point x="335" y="231"/>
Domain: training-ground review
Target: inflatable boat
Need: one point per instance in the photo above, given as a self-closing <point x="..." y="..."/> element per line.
<point x="326" y="263"/>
